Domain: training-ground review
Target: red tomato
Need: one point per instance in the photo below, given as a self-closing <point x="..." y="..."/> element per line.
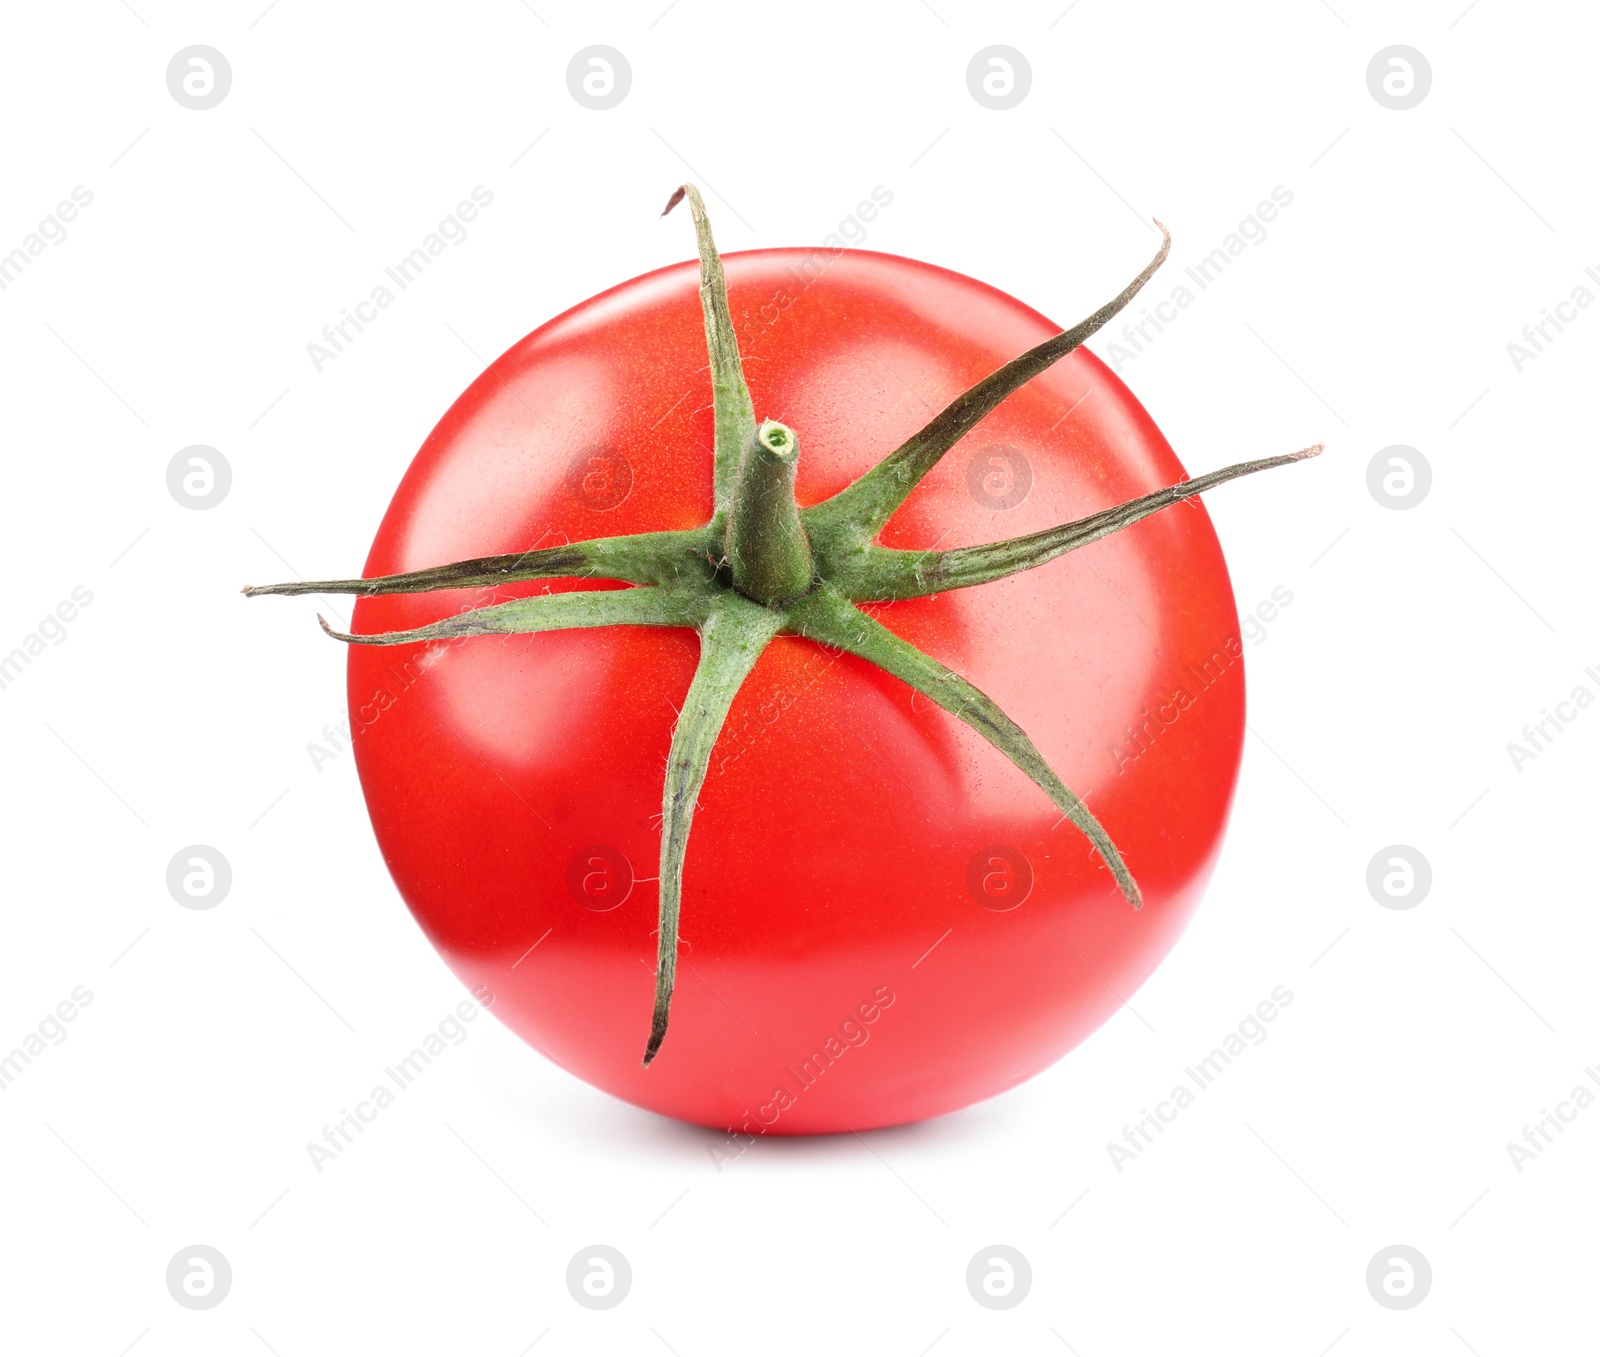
<point x="883" y="919"/>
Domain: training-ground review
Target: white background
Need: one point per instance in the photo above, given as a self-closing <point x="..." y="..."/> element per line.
<point x="1418" y="643"/>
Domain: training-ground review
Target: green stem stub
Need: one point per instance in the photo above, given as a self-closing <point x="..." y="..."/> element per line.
<point x="761" y="566"/>
<point x="767" y="543"/>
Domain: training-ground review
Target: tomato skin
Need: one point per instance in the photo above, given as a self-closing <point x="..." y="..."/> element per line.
<point x="838" y="968"/>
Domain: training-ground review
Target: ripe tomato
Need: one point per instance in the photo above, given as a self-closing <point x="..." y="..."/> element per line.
<point x="882" y="918"/>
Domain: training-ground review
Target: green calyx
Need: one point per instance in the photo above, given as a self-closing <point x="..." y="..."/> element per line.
<point x="763" y="566"/>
